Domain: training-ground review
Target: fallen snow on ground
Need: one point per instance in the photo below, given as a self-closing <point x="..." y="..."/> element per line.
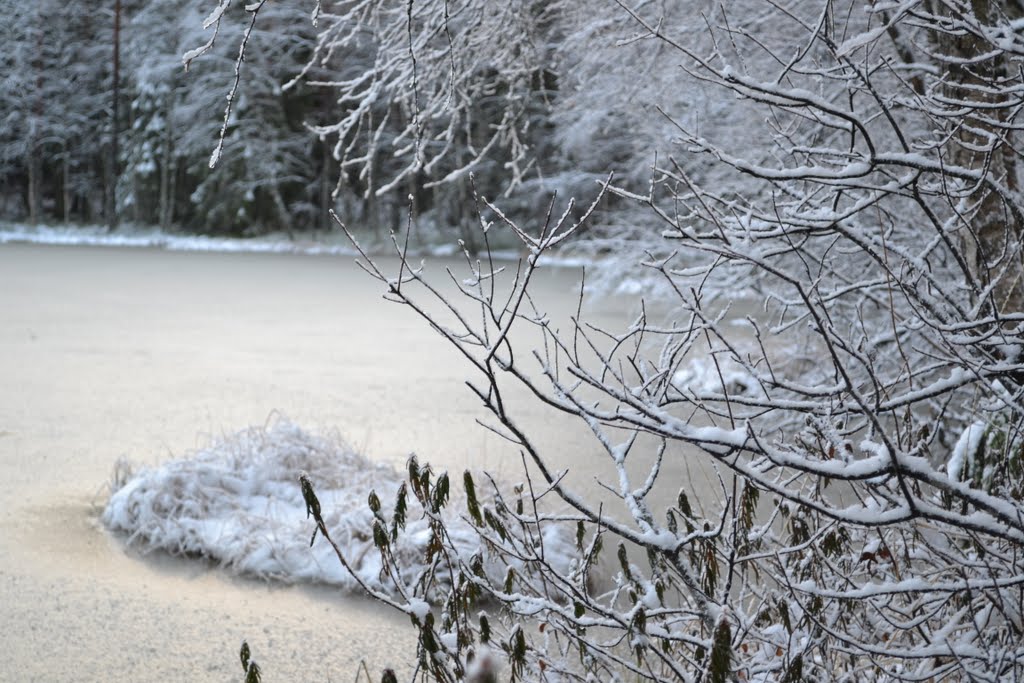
<point x="153" y="238"/>
<point x="335" y="243"/>
<point x="238" y="502"/>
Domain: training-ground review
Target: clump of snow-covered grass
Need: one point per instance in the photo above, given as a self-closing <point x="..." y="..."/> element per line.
<point x="238" y="502"/>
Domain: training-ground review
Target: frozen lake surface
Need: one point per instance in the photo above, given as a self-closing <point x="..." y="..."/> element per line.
<point x="147" y="353"/>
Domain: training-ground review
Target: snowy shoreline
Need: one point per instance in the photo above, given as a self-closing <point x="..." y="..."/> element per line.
<point x="310" y="244"/>
<point x="605" y="275"/>
<point x="136" y="237"/>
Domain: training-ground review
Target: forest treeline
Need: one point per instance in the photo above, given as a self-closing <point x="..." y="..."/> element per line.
<point x="79" y="145"/>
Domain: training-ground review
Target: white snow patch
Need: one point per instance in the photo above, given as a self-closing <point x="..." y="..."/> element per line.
<point x="333" y="243"/>
<point x="238" y="502"/>
<point x="860" y="40"/>
<point x="418" y="608"/>
<point x="964" y="450"/>
<point x="98" y="236"/>
<point x="702" y="377"/>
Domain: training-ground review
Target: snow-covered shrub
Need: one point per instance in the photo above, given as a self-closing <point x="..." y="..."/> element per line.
<point x="861" y="422"/>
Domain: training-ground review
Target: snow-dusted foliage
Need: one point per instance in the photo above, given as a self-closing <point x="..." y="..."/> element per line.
<point x="270" y="181"/>
<point x="836" y="340"/>
<point x="458" y="79"/>
<point x="52" y="105"/>
<point x="58" y="119"/>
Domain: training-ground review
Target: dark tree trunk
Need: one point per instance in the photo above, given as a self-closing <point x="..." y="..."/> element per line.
<point x="984" y="140"/>
<point x="166" y="169"/>
<point x="35" y="202"/>
<point x="325" y="186"/>
<point x="66" y="186"/>
<point x="112" y="218"/>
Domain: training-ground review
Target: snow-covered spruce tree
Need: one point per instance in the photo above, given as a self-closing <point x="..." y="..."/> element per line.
<point x="263" y="183"/>
<point x="862" y="421"/>
<point x="53" y="109"/>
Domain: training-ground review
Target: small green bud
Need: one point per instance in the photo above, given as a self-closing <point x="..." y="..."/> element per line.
<point x="624" y="562"/>
<point x="471" y="502"/>
<point x="485" y="629"/>
<point x="244" y="654"/>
